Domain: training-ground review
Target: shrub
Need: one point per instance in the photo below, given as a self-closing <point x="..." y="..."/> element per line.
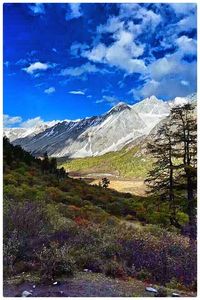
<point x="114" y="269"/>
<point x="27" y="219"/>
<point x="11" y="251"/>
<point x="143" y="274"/>
<point x="88" y="259"/>
<point x="54" y="262"/>
<point x="55" y="194"/>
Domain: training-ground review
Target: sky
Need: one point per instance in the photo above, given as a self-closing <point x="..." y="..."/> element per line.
<point x="70" y="61"/>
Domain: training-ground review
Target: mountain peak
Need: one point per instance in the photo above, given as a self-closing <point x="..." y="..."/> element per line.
<point x="119" y="107"/>
<point x="153" y="99"/>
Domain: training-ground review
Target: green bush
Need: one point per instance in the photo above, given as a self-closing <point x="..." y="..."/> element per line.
<point x="143" y="275"/>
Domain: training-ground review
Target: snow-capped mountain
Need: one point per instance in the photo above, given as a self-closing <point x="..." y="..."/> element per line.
<point x="16" y="133"/>
<point x="96" y="135"/>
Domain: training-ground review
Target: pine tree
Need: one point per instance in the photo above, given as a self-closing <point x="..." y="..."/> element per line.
<point x="161" y="179"/>
<point x="175" y="169"/>
<point x="53" y="165"/>
<point x="45" y="163"/>
<point x="186" y="136"/>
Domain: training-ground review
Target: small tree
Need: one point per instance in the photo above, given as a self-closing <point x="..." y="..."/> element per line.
<point x="45" y="163"/>
<point x="105" y="182"/>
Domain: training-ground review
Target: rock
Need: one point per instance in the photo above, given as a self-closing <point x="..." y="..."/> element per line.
<point x="175" y="295"/>
<point x="86" y="270"/>
<point x="151" y="289"/>
<point x="34" y="286"/>
<point x="55" y="283"/>
<point x="26" y="294"/>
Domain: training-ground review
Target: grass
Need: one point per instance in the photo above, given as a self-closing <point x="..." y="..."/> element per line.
<point x="126" y="163"/>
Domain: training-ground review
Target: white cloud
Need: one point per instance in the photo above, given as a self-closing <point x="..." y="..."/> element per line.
<point x="77" y="92"/>
<point x="113" y="24"/>
<point x="97" y="54"/>
<point x="189" y="23"/>
<point x="187" y="45"/>
<point x="21" y="62"/>
<point x="77" y="71"/>
<point x="76" y="49"/>
<point x="179" y="101"/>
<point x="135" y="11"/>
<point x="183" y="8"/>
<point x="35" y="67"/>
<point x="37" y="8"/>
<point x="99" y="101"/>
<point x="32" y="122"/>
<point x="75" y="11"/>
<point x="171" y="78"/>
<point x="184" y="82"/>
<point x="6" y="63"/>
<point x="111" y="100"/>
<point x="8" y="120"/>
<point x="50" y="90"/>
<point x="173" y="66"/>
<point x="171" y="75"/>
<point x="123" y="53"/>
<point x="17" y="122"/>
<point x="125" y="50"/>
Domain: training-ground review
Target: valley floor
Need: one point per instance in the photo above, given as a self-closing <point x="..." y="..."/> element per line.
<point x="84" y="284"/>
<point x="134" y="186"/>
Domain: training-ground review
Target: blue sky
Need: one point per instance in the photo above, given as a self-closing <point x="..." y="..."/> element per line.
<point x="69" y="61"/>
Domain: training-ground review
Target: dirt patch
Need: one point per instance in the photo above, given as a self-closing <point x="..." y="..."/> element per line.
<point x="84" y="285"/>
<point x="136" y="186"/>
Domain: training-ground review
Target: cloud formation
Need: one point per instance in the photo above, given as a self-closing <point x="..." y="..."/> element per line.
<point x="37" y="8"/>
<point x="77" y="92"/>
<point x="50" y="90"/>
<point x="110" y="100"/>
<point x="32" y="122"/>
<point x="77" y="71"/>
<point x="132" y="35"/>
<point x="36" y="66"/>
<point x="8" y="120"/>
<point x="74" y="12"/>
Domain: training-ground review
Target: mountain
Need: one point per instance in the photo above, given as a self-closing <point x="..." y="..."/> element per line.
<point x="16" y="133"/>
<point x="94" y="136"/>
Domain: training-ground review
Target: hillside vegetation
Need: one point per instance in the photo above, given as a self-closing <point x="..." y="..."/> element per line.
<point x="56" y="226"/>
<point x="126" y="163"/>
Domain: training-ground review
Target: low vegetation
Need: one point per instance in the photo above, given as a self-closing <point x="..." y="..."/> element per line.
<point x="56" y="226"/>
<point x="128" y="163"/>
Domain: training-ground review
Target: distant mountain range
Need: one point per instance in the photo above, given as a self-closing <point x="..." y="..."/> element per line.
<point x="94" y="136"/>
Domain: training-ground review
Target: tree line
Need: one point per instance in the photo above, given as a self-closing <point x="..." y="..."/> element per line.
<point x="15" y="154"/>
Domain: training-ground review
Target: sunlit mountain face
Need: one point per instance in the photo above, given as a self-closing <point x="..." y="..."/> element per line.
<point x="96" y="135"/>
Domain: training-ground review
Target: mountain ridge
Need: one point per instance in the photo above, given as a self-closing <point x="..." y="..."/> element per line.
<point x="96" y="135"/>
